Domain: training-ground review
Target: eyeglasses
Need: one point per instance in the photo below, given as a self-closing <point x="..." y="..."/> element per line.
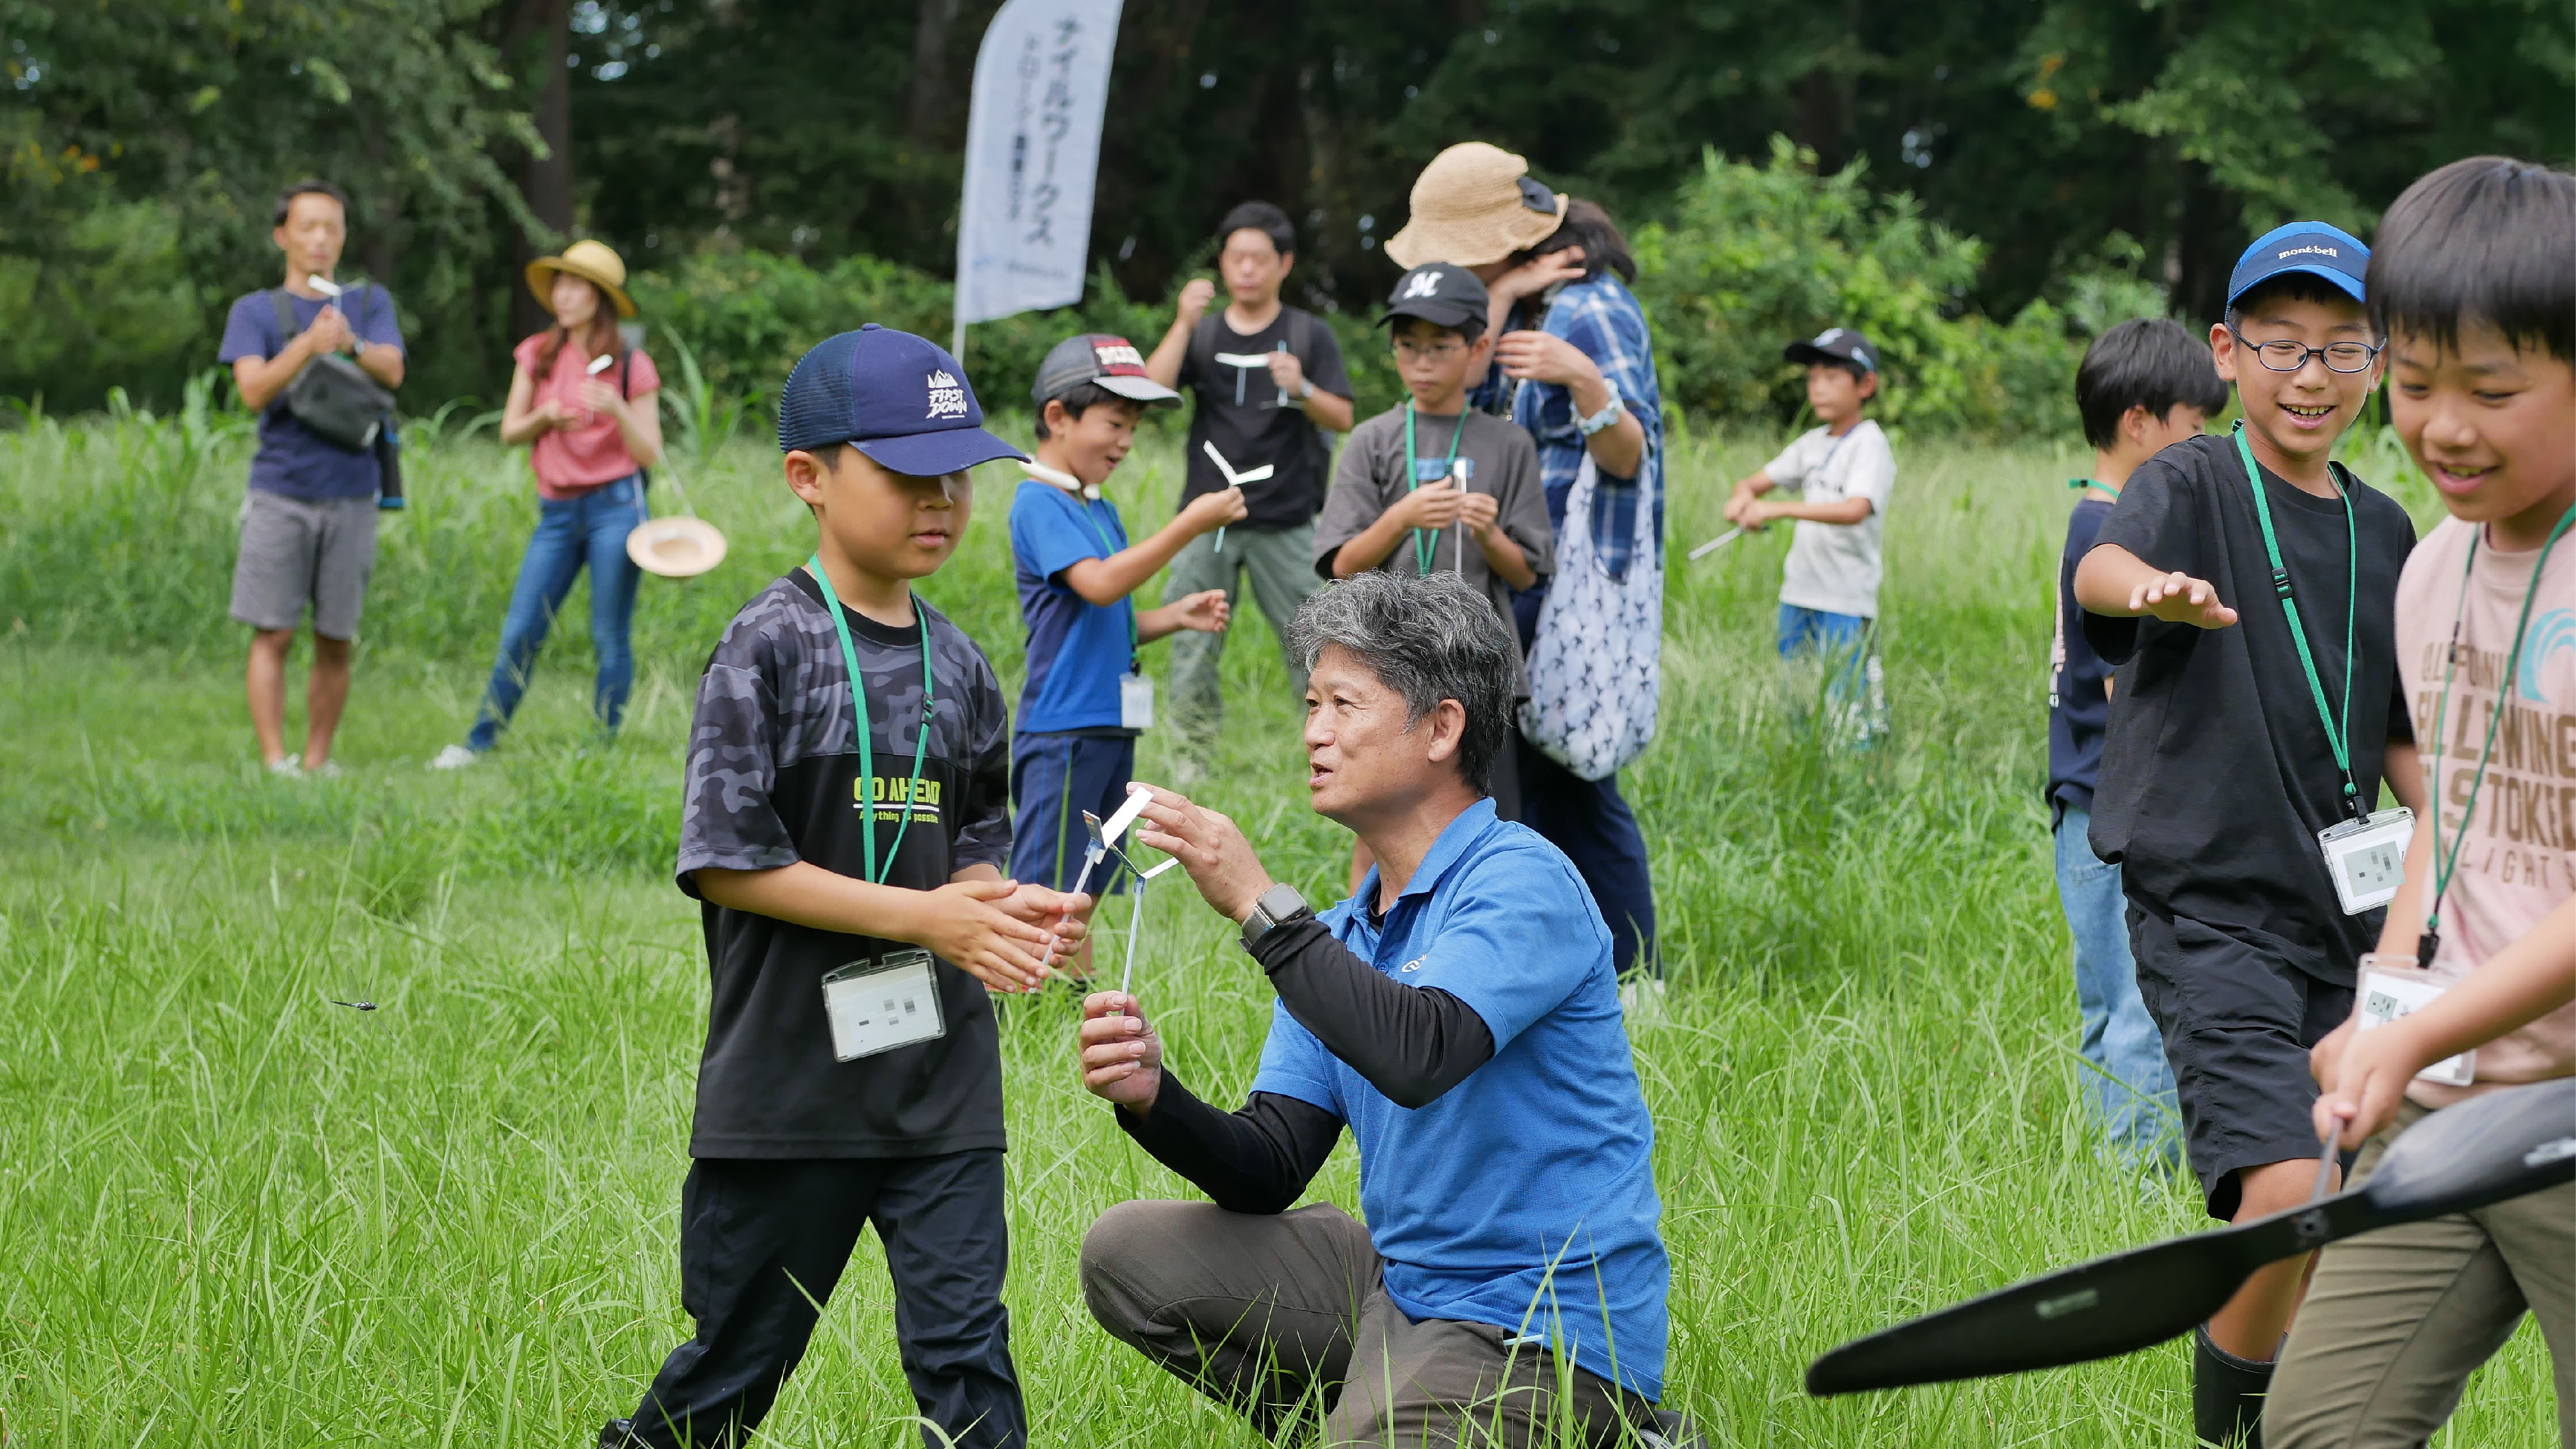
<point x="2288" y="356"/>
<point x="1412" y="351"/>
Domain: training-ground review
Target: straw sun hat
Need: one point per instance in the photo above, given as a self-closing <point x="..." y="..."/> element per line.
<point x="1472" y="205"/>
<point x="592" y="261"/>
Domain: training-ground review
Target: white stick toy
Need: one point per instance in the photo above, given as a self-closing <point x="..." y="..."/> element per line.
<point x="599" y="364"/>
<point x="325" y="286"/>
<point x="1232" y="478"/>
<point x="1458" y="480"/>
<point x="1135" y="918"/>
<point x="1714" y="544"/>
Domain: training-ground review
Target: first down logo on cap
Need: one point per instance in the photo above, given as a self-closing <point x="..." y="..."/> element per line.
<point x="1118" y="358"/>
<point x="947" y="396"/>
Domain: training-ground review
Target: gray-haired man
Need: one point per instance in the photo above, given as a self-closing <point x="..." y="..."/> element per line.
<point x="1459" y="1014"/>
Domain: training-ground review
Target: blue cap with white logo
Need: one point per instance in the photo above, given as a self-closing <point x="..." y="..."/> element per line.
<point x="900" y="399"/>
<point x="2302" y="246"/>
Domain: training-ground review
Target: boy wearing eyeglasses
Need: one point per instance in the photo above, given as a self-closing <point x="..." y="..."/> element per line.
<point x="1433" y="485"/>
<point x="2245" y="590"/>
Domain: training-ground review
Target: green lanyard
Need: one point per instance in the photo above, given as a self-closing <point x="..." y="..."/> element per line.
<point x="2444" y="866"/>
<point x="2105" y="489"/>
<point x="1425" y="548"/>
<point x="867" y="750"/>
<point x="1134" y="661"/>
<point x="2338" y="734"/>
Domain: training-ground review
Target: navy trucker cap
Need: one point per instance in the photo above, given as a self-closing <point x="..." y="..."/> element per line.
<point x="1834" y="345"/>
<point x="2302" y="246"/>
<point x="900" y="399"/>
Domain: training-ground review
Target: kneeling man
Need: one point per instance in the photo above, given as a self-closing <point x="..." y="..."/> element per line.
<point x="1460" y="1015"/>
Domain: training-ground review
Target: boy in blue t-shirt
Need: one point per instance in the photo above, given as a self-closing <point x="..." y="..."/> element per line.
<point x="1086" y="697"/>
<point x="2143" y="385"/>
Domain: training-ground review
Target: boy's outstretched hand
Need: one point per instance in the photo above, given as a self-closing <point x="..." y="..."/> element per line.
<point x="2178" y="598"/>
<point x="1122" y="1059"/>
<point x="976" y="925"/>
<point x="1206" y="611"/>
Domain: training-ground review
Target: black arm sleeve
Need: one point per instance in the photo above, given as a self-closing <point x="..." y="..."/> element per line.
<point x="1258" y="1160"/>
<point x="1410" y="1042"/>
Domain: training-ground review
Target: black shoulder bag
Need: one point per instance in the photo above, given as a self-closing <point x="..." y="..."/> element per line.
<point x="333" y="396"/>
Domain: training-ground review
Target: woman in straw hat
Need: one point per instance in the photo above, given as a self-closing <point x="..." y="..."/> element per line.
<point x="1575" y="365"/>
<point x="587" y="405"/>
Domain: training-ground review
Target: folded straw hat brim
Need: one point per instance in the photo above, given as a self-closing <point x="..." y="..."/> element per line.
<point x="675" y="548"/>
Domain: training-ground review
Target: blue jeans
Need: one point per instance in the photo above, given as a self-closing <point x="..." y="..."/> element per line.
<point x="2126" y="1075"/>
<point x="1854" y="694"/>
<point x="570" y="532"/>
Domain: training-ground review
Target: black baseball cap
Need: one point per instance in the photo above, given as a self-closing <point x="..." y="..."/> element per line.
<point x="1834" y="344"/>
<point x="900" y="399"/>
<point x="1112" y="362"/>
<point x="2303" y="246"/>
<point x="1440" y="293"/>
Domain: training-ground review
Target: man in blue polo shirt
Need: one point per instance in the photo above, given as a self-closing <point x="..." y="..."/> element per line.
<point x="1460" y="1015"/>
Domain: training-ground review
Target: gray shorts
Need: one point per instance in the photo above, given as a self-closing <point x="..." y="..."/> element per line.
<point x="299" y="551"/>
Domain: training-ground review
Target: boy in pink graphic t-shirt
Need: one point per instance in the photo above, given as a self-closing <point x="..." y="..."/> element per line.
<point x="2473" y="284"/>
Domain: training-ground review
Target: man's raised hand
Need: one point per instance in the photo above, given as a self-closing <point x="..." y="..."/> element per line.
<point x="1196" y="294"/>
<point x="2178" y="598"/>
<point x="1209" y="846"/>
<point x="1122" y="1059"/>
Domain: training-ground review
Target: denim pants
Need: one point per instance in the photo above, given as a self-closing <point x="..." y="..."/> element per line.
<point x="1590" y="821"/>
<point x="2126" y="1076"/>
<point x="589" y="529"/>
<point x="1854" y="690"/>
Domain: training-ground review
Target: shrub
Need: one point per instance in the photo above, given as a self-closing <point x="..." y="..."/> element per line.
<point x="1756" y="256"/>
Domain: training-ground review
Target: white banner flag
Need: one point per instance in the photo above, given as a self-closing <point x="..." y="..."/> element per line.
<point x="1032" y="150"/>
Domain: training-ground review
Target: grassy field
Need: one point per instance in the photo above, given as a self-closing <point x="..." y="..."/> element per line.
<point x="238" y="1214"/>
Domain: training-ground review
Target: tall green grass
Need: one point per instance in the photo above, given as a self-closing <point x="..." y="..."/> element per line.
<point x="239" y="1214"/>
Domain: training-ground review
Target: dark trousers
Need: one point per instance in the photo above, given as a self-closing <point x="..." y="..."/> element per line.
<point x="762" y="1243"/>
<point x="1592" y="824"/>
<point x="1055" y="776"/>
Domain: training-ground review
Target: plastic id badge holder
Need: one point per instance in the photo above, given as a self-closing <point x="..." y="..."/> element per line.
<point x="2394" y="987"/>
<point x="2367" y="858"/>
<point x="1135" y="701"/>
<point x="877" y="1005"/>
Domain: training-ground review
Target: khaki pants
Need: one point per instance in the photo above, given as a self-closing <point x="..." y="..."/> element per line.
<point x="1282" y="564"/>
<point x="1285" y="1319"/>
<point x="2396" y="1320"/>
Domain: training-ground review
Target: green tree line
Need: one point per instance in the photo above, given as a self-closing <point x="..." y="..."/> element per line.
<point x="1959" y="163"/>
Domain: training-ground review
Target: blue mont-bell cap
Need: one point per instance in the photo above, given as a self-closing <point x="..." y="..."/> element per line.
<point x="900" y="399"/>
<point x="2302" y="246"/>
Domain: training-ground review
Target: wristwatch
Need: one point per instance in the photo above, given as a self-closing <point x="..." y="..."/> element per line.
<point x="1278" y="905"/>
<point x="1609" y="412"/>
<point x="1305" y="388"/>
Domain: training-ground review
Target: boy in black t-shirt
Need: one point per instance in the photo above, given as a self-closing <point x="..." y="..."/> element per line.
<point x="1268" y="383"/>
<point x="2256" y="706"/>
<point x="845" y="845"/>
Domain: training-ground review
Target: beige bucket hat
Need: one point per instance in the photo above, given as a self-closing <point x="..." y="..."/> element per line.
<point x="589" y="260"/>
<point x="675" y="547"/>
<point x="1472" y="205"/>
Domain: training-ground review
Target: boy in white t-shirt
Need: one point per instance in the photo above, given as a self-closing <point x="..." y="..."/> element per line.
<point x="1843" y="471"/>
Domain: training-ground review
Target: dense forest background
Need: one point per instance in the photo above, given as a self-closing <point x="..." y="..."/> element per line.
<point x="1986" y="181"/>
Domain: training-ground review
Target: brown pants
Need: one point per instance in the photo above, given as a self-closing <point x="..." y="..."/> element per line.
<point x="1286" y="1319"/>
<point x="2395" y="1321"/>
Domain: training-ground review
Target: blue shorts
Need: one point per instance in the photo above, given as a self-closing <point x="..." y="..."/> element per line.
<point x="1055" y="776"/>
